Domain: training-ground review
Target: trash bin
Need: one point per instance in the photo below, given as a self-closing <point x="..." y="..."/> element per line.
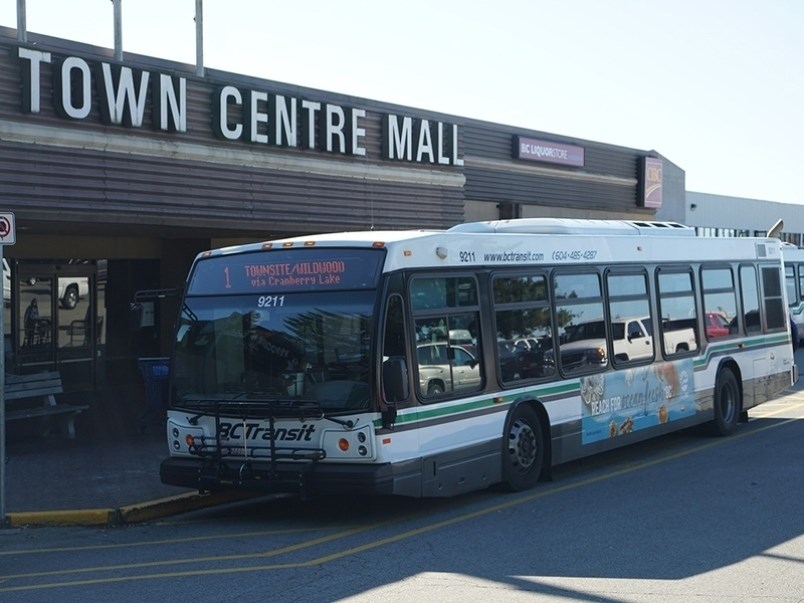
<point x="155" y="375"/>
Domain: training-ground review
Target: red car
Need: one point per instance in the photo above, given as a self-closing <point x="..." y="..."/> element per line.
<point x="716" y="325"/>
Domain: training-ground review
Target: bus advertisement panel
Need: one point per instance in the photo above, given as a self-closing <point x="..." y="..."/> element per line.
<point x="622" y="402"/>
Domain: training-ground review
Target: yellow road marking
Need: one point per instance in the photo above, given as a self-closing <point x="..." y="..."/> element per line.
<point x="252" y="555"/>
<point x="123" y="545"/>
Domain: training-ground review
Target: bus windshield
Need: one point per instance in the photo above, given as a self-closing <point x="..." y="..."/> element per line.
<point x="295" y="347"/>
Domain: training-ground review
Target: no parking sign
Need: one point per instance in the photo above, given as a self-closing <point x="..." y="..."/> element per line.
<point x="8" y="229"/>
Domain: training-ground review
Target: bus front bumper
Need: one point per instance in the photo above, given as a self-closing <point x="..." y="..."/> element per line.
<point x="304" y="478"/>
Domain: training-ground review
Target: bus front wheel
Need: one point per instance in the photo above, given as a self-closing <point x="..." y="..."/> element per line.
<point x="727" y="403"/>
<point x="523" y="453"/>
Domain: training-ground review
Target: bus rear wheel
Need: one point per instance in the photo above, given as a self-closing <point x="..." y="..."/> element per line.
<point x="727" y="404"/>
<point x="523" y="453"/>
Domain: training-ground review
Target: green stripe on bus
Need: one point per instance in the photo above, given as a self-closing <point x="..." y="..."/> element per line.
<point x="543" y="391"/>
<point x="739" y="346"/>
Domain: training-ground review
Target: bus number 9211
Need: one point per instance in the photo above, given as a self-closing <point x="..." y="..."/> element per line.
<point x="271" y="301"/>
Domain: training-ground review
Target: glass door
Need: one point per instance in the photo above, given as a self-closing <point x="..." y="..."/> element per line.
<point x="34" y="333"/>
<point x="58" y="326"/>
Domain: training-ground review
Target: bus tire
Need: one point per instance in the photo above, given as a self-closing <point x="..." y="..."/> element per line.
<point x="727" y="403"/>
<point x="523" y="449"/>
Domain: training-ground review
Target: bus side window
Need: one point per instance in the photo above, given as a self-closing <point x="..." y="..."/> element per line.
<point x="749" y="293"/>
<point x="775" y="315"/>
<point x="583" y="346"/>
<point x="720" y="301"/>
<point x="631" y="319"/>
<point x="524" y="328"/>
<point x="446" y="323"/>
<point x="679" y="324"/>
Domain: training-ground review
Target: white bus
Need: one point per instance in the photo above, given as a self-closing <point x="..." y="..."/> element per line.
<point x="794" y="281"/>
<point x="432" y="363"/>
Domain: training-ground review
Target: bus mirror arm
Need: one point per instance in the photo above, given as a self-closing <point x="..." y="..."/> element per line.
<point x="389" y="415"/>
<point x="395" y="387"/>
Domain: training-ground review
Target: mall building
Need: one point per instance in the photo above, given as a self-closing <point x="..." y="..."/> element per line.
<point x="118" y="172"/>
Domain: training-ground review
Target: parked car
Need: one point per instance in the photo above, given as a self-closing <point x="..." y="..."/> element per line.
<point x="584" y="344"/>
<point x="717" y="325"/>
<point x="508" y="361"/>
<point x="71" y="288"/>
<point x="435" y="374"/>
<point x="525" y="361"/>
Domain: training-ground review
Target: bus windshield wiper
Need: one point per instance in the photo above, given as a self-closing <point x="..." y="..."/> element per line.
<point x="320" y="414"/>
<point x="348" y="423"/>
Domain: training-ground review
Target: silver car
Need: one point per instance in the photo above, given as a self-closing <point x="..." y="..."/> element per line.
<point x="438" y="373"/>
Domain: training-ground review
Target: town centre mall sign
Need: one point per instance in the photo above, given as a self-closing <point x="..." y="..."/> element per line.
<point x="253" y="116"/>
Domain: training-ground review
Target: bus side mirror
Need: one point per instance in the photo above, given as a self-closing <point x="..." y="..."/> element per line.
<point x="394" y="386"/>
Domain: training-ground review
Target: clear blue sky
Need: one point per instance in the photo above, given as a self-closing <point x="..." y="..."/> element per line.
<point x="716" y="86"/>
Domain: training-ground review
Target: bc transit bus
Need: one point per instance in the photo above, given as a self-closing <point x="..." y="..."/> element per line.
<point x="433" y="363"/>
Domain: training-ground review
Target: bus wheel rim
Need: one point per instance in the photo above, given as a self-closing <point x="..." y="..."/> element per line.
<point x="522" y="447"/>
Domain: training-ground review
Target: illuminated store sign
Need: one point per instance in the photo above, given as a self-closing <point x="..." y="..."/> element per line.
<point x="258" y="117"/>
<point x="550" y="152"/>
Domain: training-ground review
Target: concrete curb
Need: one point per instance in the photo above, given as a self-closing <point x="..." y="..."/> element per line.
<point x="129" y="514"/>
<point x="78" y="517"/>
<point x="181" y="503"/>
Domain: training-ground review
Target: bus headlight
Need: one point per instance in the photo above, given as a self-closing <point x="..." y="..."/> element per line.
<point x="182" y="438"/>
<point x="353" y="444"/>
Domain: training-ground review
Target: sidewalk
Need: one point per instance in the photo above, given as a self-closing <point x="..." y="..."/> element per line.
<point x="56" y="473"/>
<point x="108" y="474"/>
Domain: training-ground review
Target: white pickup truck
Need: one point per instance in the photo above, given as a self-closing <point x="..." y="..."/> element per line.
<point x="71" y="288"/>
<point x="585" y="343"/>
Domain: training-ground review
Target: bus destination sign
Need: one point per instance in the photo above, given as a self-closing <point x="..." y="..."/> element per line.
<point x="286" y="271"/>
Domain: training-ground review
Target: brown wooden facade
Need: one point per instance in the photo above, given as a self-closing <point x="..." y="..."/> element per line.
<point x="128" y="206"/>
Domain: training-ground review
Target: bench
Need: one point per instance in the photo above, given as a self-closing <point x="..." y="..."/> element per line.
<point x="32" y="396"/>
